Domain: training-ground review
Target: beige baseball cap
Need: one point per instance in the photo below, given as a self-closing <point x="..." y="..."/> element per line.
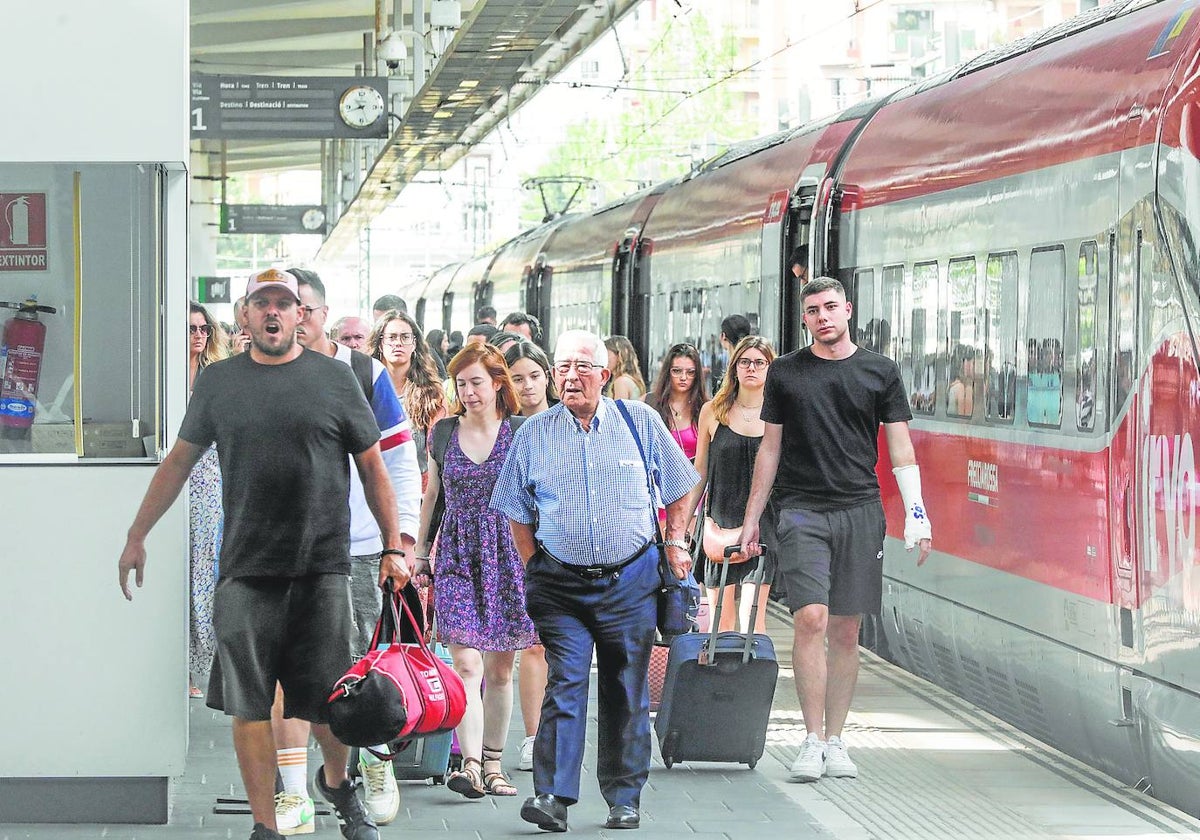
<point x="272" y="278"/>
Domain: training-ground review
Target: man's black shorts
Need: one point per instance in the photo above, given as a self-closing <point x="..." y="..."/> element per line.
<point x="833" y="557"/>
<point x="295" y="631"/>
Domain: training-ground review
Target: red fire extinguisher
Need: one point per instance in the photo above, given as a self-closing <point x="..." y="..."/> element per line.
<point x="21" y="363"/>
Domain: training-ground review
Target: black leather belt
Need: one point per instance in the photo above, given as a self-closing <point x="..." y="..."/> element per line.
<point x="598" y="571"/>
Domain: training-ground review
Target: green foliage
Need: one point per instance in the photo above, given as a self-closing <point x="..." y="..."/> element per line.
<point x="675" y="111"/>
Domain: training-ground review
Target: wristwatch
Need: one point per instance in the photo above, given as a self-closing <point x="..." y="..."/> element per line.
<point x="677" y="544"/>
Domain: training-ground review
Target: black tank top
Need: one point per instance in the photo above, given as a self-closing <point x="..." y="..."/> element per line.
<point x="730" y="470"/>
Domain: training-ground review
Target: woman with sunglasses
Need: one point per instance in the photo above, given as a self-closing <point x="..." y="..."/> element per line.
<point x="679" y="394"/>
<point x="730" y="431"/>
<point x="396" y="341"/>
<point x="207" y="343"/>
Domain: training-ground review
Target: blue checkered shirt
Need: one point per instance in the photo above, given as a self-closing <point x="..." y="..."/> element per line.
<point x="586" y="490"/>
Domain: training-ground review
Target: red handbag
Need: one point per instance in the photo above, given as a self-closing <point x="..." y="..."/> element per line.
<point x="398" y="691"/>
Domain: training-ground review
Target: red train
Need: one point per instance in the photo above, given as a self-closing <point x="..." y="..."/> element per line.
<point x="1020" y="235"/>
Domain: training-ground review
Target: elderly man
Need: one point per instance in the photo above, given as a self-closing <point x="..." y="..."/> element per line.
<point x="286" y="552"/>
<point x="352" y="331"/>
<point x="592" y="575"/>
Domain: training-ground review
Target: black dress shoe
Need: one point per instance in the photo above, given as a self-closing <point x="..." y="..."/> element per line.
<point x="623" y="816"/>
<point x="546" y="811"/>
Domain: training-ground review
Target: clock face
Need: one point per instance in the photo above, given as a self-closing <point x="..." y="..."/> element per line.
<point x="313" y="219"/>
<point x="360" y="106"/>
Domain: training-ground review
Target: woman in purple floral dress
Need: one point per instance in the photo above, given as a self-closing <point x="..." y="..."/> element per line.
<point x="479" y="591"/>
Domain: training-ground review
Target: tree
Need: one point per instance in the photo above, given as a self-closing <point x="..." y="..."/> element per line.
<point x="678" y="107"/>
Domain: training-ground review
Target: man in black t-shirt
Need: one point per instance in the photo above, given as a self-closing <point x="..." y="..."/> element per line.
<point x="286" y="551"/>
<point x="823" y="406"/>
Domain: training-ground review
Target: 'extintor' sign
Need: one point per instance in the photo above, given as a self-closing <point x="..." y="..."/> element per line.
<point x="22" y="231"/>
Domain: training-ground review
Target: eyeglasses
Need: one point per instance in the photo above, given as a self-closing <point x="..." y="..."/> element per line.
<point x="757" y="364"/>
<point x="403" y="339"/>
<point x="199" y="329"/>
<point x="686" y="373"/>
<point x="582" y="368"/>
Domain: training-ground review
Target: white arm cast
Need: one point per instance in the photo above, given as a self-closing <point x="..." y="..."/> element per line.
<point x="916" y="521"/>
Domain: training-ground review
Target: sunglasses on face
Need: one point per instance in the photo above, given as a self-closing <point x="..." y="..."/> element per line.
<point x="199" y="329"/>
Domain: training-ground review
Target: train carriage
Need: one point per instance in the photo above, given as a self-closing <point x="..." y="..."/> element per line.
<point x="1019" y="234"/>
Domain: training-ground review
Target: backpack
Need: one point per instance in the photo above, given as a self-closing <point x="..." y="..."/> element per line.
<point x="360" y="363"/>
<point x="442" y="430"/>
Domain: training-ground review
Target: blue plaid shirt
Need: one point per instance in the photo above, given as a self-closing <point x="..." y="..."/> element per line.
<point x="587" y="489"/>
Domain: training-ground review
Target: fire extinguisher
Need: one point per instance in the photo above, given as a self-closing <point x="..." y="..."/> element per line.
<point x="21" y="363"/>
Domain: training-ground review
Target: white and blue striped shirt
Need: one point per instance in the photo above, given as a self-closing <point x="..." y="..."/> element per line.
<point x="587" y="489"/>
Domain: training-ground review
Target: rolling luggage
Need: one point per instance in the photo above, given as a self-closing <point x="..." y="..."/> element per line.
<point x="726" y="684"/>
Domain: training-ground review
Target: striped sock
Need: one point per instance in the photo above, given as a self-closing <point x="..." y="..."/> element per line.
<point x="293" y="769"/>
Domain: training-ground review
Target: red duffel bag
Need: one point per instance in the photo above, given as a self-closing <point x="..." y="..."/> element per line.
<point x="398" y="691"/>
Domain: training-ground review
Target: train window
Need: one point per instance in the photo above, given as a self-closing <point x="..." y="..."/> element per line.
<point x="923" y="390"/>
<point x="1085" y="384"/>
<point x="879" y="330"/>
<point x="964" y="337"/>
<point x="864" y="303"/>
<point x="1000" y="336"/>
<point x="1046" y="319"/>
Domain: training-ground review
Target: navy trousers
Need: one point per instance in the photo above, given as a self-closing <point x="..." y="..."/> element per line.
<point x="614" y="615"/>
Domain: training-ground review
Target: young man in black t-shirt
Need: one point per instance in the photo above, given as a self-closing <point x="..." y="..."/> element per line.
<point x="823" y="406"/>
<point x="286" y="551"/>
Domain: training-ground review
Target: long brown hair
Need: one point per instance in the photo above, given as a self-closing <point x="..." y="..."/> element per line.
<point x="493" y="362"/>
<point x="216" y="346"/>
<point x="660" y="394"/>
<point x="627" y="361"/>
<point x="727" y="394"/>
<point x="422" y="395"/>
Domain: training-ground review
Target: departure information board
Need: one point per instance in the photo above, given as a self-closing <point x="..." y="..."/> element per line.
<point x="288" y="107"/>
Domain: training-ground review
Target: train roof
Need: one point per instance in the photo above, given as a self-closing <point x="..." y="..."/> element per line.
<point x="1032" y="41"/>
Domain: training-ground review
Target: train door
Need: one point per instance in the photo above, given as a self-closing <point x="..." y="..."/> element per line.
<point x="787" y="292"/>
<point x="1126" y="365"/>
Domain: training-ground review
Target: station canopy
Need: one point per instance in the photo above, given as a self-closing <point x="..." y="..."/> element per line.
<point x="496" y="60"/>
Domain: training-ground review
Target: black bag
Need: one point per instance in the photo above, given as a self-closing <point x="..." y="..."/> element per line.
<point x="717" y="694"/>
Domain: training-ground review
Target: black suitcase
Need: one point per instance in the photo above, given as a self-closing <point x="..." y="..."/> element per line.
<point x="723" y="685"/>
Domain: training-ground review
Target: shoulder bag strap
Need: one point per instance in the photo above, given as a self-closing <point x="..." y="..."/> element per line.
<point x="646" y="465"/>
<point x="360" y="363"/>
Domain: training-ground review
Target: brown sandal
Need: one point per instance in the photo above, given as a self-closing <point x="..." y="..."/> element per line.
<point x="495" y="782"/>
<point x="469" y="780"/>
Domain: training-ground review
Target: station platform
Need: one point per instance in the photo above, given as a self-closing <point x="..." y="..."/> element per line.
<point x="931" y="766"/>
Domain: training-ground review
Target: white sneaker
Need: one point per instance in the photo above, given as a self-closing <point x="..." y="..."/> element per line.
<point x="837" y="761"/>
<point x="525" y="762"/>
<point x="380" y="793"/>
<point x="294" y="814"/>
<point x="810" y="763"/>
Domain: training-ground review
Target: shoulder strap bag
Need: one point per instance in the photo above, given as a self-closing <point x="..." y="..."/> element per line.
<point x="678" y="598"/>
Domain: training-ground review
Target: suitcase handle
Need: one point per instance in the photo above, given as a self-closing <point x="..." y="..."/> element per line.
<point x="704" y="657"/>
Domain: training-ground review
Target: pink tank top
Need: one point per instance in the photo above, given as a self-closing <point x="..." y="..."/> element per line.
<point x="686" y="438"/>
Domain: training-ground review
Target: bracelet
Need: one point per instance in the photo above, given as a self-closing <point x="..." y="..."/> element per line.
<point x="676" y="543"/>
<point x="398" y="552"/>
